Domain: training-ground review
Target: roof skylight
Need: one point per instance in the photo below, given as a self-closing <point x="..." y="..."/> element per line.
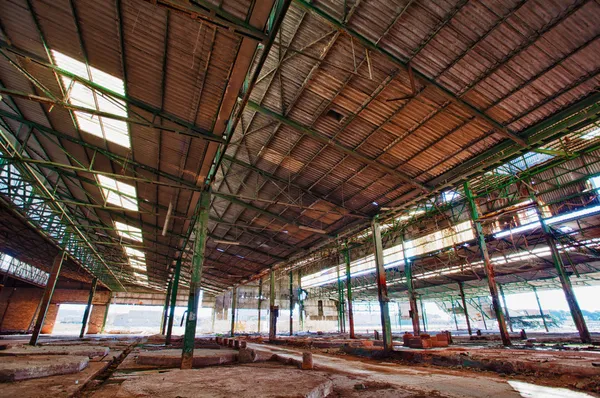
<point x="118" y="193"/>
<point x="128" y="231"/>
<point x="78" y="94"/>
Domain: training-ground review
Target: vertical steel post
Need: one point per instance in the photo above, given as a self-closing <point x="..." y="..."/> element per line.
<point x="291" y="303"/>
<point x="565" y="281"/>
<point x="382" y="291"/>
<point x="200" y="233"/>
<point x="260" y="285"/>
<point x="339" y="307"/>
<point x="424" y="315"/>
<point x="234" y="299"/>
<point x="488" y="267"/>
<point x="174" y="290"/>
<point x="272" y="310"/>
<point x="300" y="300"/>
<point x="47" y="297"/>
<point x="454" y="312"/>
<point x="464" y="303"/>
<point x="506" y="312"/>
<point x="163" y="321"/>
<point x="106" y="314"/>
<point x="349" y="290"/>
<point x="540" y="308"/>
<point x="412" y="298"/>
<point x="88" y="307"/>
<point x="482" y="313"/>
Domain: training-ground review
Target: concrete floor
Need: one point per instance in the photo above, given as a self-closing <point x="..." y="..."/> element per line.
<point x="119" y="374"/>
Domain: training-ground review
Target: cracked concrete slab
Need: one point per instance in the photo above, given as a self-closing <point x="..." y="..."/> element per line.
<point x="32" y="367"/>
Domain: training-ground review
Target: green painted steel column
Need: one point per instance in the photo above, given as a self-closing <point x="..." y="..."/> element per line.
<point x="565" y="281"/>
<point x="88" y="307"/>
<point x="382" y="292"/>
<point x="412" y="298"/>
<point x="454" y="312"/>
<point x="47" y="297"/>
<point x="234" y="299"/>
<point x="174" y="290"/>
<point x="461" y="289"/>
<point x="260" y="285"/>
<point x="488" y="267"/>
<point x="273" y="311"/>
<point x="300" y="300"/>
<point x="200" y="235"/>
<point x="291" y="303"/>
<point x="423" y="315"/>
<point x="349" y="290"/>
<point x="340" y="304"/>
<point x="106" y="314"/>
<point x="540" y="308"/>
<point x="163" y="321"/>
<point x="506" y="312"/>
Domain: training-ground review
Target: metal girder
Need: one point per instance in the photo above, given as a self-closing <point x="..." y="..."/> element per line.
<point x="287" y="182"/>
<point x="156" y="112"/>
<point x="267" y="213"/>
<point x="212" y="14"/>
<point x="338" y="146"/>
<point x="420" y="75"/>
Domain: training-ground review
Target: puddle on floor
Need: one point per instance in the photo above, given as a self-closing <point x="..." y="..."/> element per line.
<point x="534" y="391"/>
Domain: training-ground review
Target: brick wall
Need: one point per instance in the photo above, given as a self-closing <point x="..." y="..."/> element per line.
<point x="18" y="305"/>
<point x="96" y="319"/>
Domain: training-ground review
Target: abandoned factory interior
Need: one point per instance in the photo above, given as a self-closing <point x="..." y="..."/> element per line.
<point x="299" y="198"/>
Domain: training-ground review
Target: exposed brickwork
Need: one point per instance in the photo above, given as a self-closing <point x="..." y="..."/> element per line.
<point x="19" y="305"/>
<point x="96" y="319"/>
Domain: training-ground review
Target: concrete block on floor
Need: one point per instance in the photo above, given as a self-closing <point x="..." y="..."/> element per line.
<point x="230" y="382"/>
<point x="202" y="358"/>
<point x="32" y="367"/>
<point x="78" y="350"/>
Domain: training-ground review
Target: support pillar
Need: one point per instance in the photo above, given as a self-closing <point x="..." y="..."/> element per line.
<point x="234" y="299"/>
<point x="200" y="234"/>
<point x="106" y="314"/>
<point x="300" y="299"/>
<point x="273" y="310"/>
<point x="506" y="312"/>
<point x="454" y="313"/>
<point x="88" y="307"/>
<point x="540" y="308"/>
<point x="565" y="281"/>
<point x="488" y="267"/>
<point x="349" y="291"/>
<point x="260" y="284"/>
<point x="174" y="290"/>
<point x="464" y="303"/>
<point x="291" y="303"/>
<point x="424" y="315"/>
<point x="163" y="321"/>
<point x="382" y="292"/>
<point x="47" y="297"/>
<point x="412" y="298"/>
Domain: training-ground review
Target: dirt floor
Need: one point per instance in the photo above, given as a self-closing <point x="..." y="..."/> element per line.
<point x="121" y="373"/>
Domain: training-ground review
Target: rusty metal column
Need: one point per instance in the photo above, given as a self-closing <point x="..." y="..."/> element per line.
<point x="488" y="267"/>
<point x="382" y="292"/>
<point x="540" y="308"/>
<point x="423" y="315"/>
<point x="273" y="311"/>
<point x="260" y="284"/>
<point x="200" y="233"/>
<point x="86" y="313"/>
<point x="291" y="303"/>
<point x="47" y="297"/>
<point x="464" y="303"/>
<point x="174" y="290"/>
<point x="234" y="299"/>
<point x="412" y="298"/>
<point x="565" y="281"/>
<point x="506" y="312"/>
<point x="349" y="290"/>
<point x="163" y="322"/>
